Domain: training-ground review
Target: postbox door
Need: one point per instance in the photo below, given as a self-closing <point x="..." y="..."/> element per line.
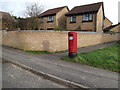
<point x="73" y="42"/>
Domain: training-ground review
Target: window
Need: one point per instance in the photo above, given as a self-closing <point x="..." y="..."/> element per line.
<point x="41" y="20"/>
<point x="87" y="17"/>
<point x="50" y="18"/>
<point x="73" y="19"/>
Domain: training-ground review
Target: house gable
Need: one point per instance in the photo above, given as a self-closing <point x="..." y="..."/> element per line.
<point x="58" y="15"/>
<point x="86" y="16"/>
<point x="100" y="19"/>
<point x="107" y="22"/>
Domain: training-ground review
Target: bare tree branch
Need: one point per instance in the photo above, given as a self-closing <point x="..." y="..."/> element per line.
<point x="33" y="9"/>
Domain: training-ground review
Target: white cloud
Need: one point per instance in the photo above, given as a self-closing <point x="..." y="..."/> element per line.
<point x="17" y="6"/>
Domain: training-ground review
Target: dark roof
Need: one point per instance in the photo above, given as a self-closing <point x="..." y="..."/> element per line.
<point x="85" y="8"/>
<point x="6" y="16"/>
<point x="110" y="27"/>
<point x="52" y="11"/>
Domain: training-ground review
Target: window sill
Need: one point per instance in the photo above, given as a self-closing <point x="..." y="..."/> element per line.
<point x="88" y="21"/>
<point x="72" y="22"/>
<point x="49" y="21"/>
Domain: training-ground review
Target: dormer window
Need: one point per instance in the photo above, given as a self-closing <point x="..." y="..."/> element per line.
<point x="50" y="18"/>
<point x="87" y="17"/>
<point x="72" y="19"/>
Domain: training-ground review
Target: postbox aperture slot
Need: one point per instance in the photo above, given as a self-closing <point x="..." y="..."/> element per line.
<point x="70" y="34"/>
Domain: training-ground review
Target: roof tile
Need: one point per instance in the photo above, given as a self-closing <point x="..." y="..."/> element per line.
<point x="52" y="11"/>
<point x="85" y="8"/>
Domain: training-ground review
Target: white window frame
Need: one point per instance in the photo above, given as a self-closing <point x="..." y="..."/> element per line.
<point x="50" y="18"/>
<point x="87" y="17"/>
<point x="72" y="18"/>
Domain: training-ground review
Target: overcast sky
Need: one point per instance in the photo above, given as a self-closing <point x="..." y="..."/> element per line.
<point x="17" y="7"/>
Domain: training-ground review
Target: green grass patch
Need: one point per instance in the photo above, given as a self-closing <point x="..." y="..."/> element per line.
<point x="106" y="58"/>
<point x="42" y="52"/>
<point x="37" y="52"/>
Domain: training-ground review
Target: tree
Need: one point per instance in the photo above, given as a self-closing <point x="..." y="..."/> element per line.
<point x="33" y="9"/>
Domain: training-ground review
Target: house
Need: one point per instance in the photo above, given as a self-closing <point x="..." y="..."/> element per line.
<point x="107" y="22"/>
<point x="6" y="21"/>
<point x="113" y="28"/>
<point x="89" y="17"/>
<point x="53" y="18"/>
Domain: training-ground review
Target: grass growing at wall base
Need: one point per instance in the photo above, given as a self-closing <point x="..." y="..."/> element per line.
<point x="37" y="52"/>
<point x="42" y="52"/>
<point x="106" y="58"/>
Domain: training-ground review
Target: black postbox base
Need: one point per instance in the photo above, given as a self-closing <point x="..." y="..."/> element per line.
<point x="72" y="55"/>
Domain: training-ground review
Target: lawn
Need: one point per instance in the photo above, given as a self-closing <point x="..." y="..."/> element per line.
<point x="106" y="58"/>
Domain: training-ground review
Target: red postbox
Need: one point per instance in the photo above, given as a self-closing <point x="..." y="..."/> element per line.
<point x="72" y="44"/>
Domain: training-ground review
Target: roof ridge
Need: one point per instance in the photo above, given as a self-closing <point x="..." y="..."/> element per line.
<point x="52" y="11"/>
<point x="94" y="7"/>
<point x="56" y="8"/>
<point x="88" y="4"/>
<point x="4" y="12"/>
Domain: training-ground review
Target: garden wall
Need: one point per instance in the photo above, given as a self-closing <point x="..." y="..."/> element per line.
<point x="51" y="41"/>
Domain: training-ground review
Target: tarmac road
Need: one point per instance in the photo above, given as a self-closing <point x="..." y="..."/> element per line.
<point x="51" y="64"/>
<point x="16" y="77"/>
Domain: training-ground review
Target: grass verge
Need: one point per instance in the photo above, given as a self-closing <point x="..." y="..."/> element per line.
<point x="106" y="58"/>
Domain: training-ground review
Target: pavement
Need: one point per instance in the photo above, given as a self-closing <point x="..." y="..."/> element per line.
<point x="16" y="77"/>
<point x="67" y="73"/>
